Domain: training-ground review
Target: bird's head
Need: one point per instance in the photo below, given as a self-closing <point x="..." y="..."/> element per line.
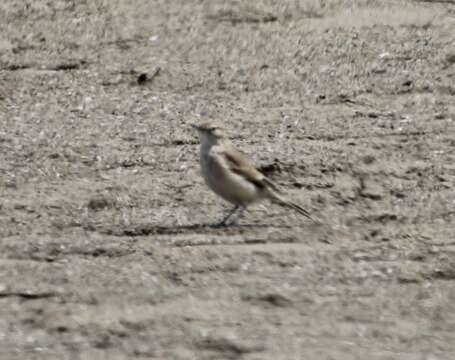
<point x="209" y="132"/>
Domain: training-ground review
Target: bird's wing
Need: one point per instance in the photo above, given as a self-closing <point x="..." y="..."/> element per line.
<point x="238" y="163"/>
<point x="241" y="165"/>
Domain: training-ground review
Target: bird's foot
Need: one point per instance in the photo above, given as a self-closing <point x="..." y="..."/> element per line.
<point x="225" y="223"/>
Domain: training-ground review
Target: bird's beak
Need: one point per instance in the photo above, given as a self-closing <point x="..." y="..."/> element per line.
<point x="195" y="126"/>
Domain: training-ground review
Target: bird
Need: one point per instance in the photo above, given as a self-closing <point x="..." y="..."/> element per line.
<point x="232" y="175"/>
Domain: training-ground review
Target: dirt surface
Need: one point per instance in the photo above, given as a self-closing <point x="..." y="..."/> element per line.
<point x="105" y="243"/>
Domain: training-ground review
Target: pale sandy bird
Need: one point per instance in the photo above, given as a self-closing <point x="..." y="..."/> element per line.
<point x="231" y="175"/>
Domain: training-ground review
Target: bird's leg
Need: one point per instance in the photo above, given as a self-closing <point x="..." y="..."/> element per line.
<point x="239" y="209"/>
<point x="239" y="214"/>
<point x="224" y="222"/>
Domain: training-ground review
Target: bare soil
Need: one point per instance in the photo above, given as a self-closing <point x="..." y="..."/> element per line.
<point x="106" y="248"/>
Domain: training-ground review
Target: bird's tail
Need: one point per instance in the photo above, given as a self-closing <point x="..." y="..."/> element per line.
<point x="281" y="200"/>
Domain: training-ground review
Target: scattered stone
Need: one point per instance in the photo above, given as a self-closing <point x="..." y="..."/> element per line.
<point x="373" y="115"/>
<point x="99" y="202"/>
<point x="271" y="298"/>
<point x="230" y="346"/>
<point x="409" y="278"/>
<point x="446" y="273"/>
<point x="450" y="57"/>
<point x="276" y="299"/>
<point x="407" y="83"/>
<point x="385" y="56"/>
<point x="376" y="69"/>
<point x="368" y="159"/>
<point x="371" y="190"/>
<point x="144" y="77"/>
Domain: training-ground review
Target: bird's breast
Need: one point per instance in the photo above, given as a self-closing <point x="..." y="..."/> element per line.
<point x="226" y="183"/>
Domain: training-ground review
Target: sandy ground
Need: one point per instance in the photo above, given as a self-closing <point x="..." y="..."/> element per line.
<point x="106" y="252"/>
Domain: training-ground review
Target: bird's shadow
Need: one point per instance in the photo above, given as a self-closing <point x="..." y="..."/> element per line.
<point x="151" y="229"/>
